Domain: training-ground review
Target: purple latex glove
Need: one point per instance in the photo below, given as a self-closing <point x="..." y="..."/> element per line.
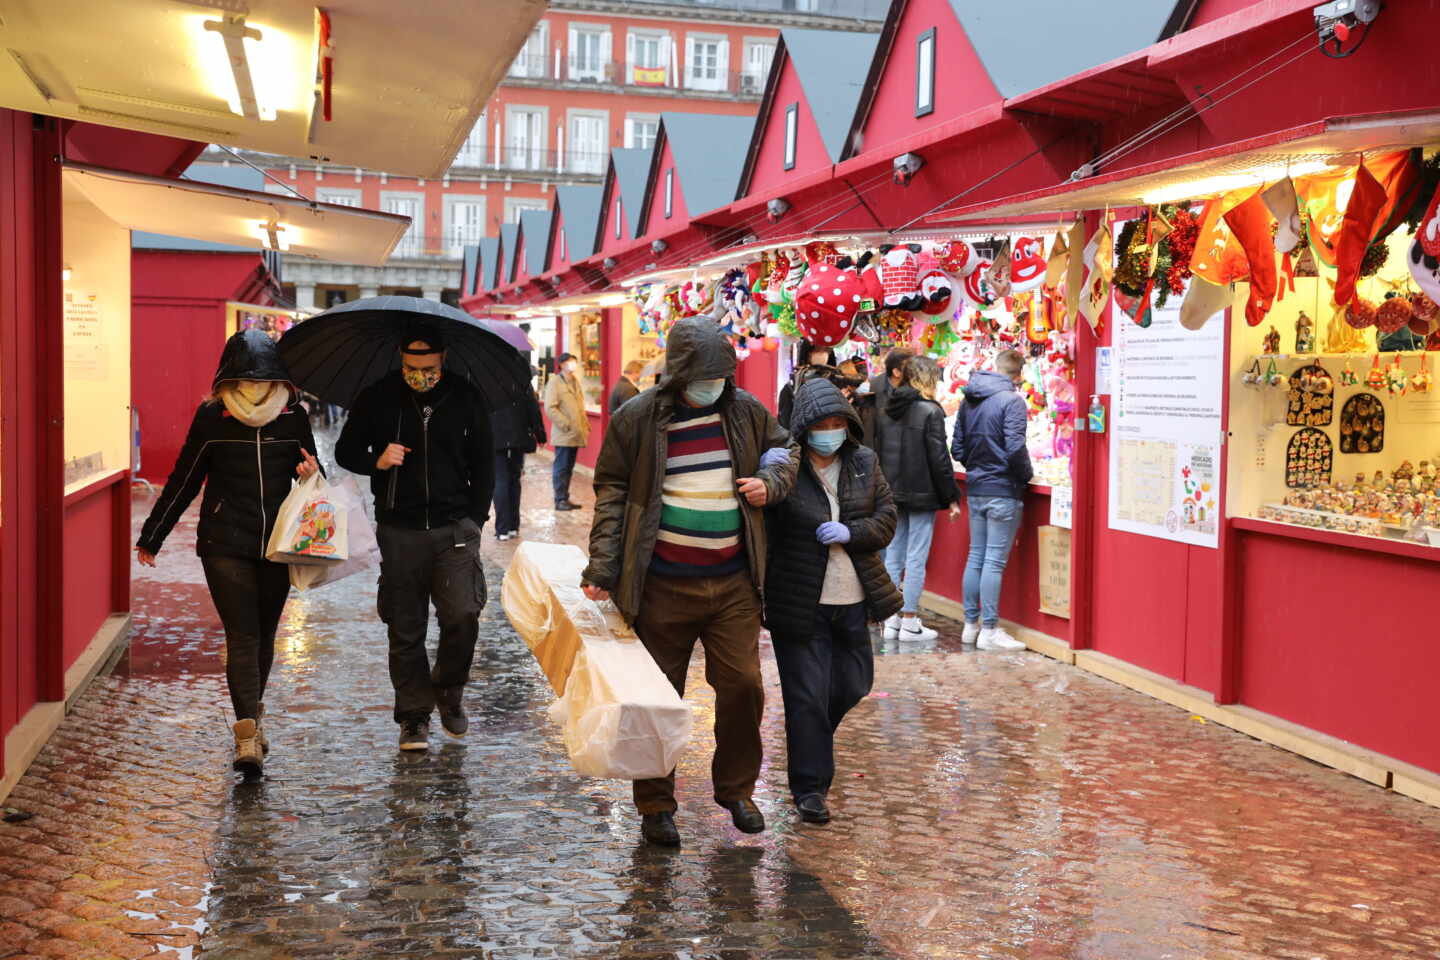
<point x="832" y="531"/>
<point x="774" y="457"/>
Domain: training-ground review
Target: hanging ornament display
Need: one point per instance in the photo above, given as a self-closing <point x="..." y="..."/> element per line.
<point x="1420" y="383"/>
<point x="1308" y="459"/>
<point x="1375" y="379"/>
<point x="1027" y="264"/>
<point x="1362" y="424"/>
<point x="1393" y="314"/>
<point x="1097" y="271"/>
<point x="1310" y="401"/>
<point x="1180" y="244"/>
<point x="1395" y="380"/>
<point x="1360" y="313"/>
<point x="1347" y="376"/>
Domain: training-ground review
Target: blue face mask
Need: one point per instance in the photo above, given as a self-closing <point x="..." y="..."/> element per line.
<point x="825" y="442"/>
<point x="703" y="393"/>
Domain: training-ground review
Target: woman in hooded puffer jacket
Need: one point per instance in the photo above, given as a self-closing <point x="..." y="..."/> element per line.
<point x="826" y="583"/>
<point x="246" y="443"/>
<point x="916" y="461"/>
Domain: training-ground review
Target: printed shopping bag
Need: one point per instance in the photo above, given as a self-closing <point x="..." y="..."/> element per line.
<point x="364" y="549"/>
<point x="309" y="528"/>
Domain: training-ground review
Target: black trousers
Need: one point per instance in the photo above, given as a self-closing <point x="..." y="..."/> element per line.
<point x="417" y="567"/>
<point x="822" y="676"/>
<point x="509" y="465"/>
<point x="249" y="595"/>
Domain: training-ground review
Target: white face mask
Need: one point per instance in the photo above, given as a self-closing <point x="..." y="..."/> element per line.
<point x="703" y="393"/>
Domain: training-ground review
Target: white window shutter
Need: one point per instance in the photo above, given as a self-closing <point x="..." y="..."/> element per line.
<point x="606" y="56"/>
<point x="573" y="50"/>
<point x="629" y="57"/>
<point x="724" y="65"/>
<point x="689" y="60"/>
<point x="629" y="132"/>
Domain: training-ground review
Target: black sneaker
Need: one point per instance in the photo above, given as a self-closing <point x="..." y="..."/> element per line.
<point x="659" y="829"/>
<point x="566" y="505"/>
<point x="448" y="700"/>
<point x="415" y="735"/>
<point x="746" y="816"/>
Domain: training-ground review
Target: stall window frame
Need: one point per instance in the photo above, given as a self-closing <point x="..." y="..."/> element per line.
<point x="925" y="77"/>
<point x="792" y="130"/>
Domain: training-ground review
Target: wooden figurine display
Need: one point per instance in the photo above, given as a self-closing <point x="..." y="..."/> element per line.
<point x="1308" y="459"/>
<point x="1304" y="334"/>
<point x="1362" y="424"/>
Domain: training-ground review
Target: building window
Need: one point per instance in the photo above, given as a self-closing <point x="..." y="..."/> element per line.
<point x="706" y="63"/>
<point x="648" y="56"/>
<point x="333" y="297"/>
<point x="641" y="131"/>
<point x="669" y="192"/>
<point x="531" y="61"/>
<point x="464" y="223"/>
<point x="560" y="244"/>
<point x="619" y="223"/>
<point x="411" y="205"/>
<point x="514" y="206"/>
<point x="589" y="146"/>
<point x="525" y="138"/>
<point x="344" y="198"/>
<point x="792" y="128"/>
<point x="925" y="73"/>
<point x="472" y="151"/>
<point x="589" y="54"/>
<point x="758" y="56"/>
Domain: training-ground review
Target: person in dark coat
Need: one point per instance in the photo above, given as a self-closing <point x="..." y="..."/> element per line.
<point x="911" y="435"/>
<point x="807" y="357"/>
<point x="518" y="430"/>
<point x="679" y="544"/>
<point x="628" y="386"/>
<point x="894" y="376"/>
<point x="990" y="441"/>
<point x="424" y="440"/>
<point x="246" y="443"/>
<point x="826" y="582"/>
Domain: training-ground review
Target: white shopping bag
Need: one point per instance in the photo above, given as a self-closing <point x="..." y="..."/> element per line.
<point x="364" y="549"/>
<point x="620" y="715"/>
<point x="310" y="527"/>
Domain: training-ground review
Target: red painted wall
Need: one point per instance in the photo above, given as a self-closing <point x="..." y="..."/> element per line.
<point x="770" y="174"/>
<point x="176" y="335"/>
<point x="1323" y="645"/>
<point x="759" y="373"/>
<point x="961" y="83"/>
<point x="90" y="519"/>
<point x="653" y="220"/>
<point x="609" y="243"/>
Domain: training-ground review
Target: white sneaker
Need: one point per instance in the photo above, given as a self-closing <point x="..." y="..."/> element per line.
<point x="912" y="629"/>
<point x="970" y="633"/>
<point x="996" y="638"/>
<point x="892" y="628"/>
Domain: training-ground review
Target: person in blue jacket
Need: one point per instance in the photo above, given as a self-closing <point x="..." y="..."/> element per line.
<point x="989" y="441"/>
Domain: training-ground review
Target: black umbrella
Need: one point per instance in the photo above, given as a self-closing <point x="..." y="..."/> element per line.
<point x="336" y="354"/>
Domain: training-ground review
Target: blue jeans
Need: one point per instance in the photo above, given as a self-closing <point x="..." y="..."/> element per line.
<point x="561" y="471"/>
<point x="908" y="553"/>
<point x="993" y="522"/>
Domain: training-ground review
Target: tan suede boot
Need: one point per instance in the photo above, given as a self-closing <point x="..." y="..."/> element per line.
<point x="260" y="729"/>
<point x="249" y="757"/>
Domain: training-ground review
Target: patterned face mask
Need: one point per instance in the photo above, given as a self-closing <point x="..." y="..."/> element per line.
<point x="422" y="381"/>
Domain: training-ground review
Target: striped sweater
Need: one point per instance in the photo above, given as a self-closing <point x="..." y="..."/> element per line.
<point x="699" y="514"/>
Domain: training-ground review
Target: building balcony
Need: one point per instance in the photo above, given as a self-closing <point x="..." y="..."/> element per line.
<point x="620" y="77"/>
<point x="532" y="162"/>
<point x="448" y="246"/>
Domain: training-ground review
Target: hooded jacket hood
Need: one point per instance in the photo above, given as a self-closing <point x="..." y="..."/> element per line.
<point x="695" y="349"/>
<point x="985" y="384"/>
<point x="901" y="399"/>
<point x="818" y="399"/>
<point x="250" y="355"/>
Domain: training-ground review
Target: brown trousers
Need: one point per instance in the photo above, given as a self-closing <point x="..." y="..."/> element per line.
<point x="723" y="613"/>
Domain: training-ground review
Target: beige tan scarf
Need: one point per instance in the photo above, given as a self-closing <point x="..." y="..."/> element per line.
<point x="255" y="403"/>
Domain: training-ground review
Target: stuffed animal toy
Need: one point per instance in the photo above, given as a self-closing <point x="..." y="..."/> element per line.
<point x="779" y="270"/>
<point x="828" y="301"/>
<point x="1027" y="264"/>
<point x="956" y="257"/>
<point x="998" y="272"/>
<point x="935" y="285"/>
<point x="976" y="286"/>
<point x="900" y="277"/>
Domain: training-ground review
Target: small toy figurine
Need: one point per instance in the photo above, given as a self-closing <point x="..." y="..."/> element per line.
<point x="1272" y="341"/>
<point x="1420" y="383"/>
<point x="1375" y="379"/>
<point x="1405" y="471"/>
<point x="1347" y="376"/>
<point x="1304" y="334"/>
<point x="1395" y="380"/>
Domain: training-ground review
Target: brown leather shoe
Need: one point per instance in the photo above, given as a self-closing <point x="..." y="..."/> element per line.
<point x="746" y="816"/>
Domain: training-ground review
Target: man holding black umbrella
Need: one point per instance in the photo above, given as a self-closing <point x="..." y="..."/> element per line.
<point x="424" y="439"/>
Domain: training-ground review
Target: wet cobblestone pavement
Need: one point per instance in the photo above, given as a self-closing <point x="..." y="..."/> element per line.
<point x="987" y="806"/>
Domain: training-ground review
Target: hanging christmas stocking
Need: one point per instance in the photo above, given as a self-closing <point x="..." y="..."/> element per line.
<point x="1367" y="200"/>
<point x="1251" y="222"/>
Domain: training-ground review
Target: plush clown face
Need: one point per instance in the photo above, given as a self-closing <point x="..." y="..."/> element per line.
<point x="977" y="287"/>
<point x="1027" y="264"/>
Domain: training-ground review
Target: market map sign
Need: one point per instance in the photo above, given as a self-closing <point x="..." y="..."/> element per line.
<point x="1168" y="384"/>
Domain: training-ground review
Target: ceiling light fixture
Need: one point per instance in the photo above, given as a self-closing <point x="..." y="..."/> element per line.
<point x="272" y="235"/>
<point x="1224" y="183"/>
<point x="241" y="66"/>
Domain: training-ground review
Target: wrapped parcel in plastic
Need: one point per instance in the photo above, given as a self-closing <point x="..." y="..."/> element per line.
<point x="621" y="717"/>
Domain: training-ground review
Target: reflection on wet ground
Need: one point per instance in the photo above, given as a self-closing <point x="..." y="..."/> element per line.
<point x="987" y="806"/>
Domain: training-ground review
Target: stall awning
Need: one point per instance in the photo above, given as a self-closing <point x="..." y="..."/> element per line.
<point x="251" y="218"/>
<point x="1336" y="142"/>
<point x="365" y="83"/>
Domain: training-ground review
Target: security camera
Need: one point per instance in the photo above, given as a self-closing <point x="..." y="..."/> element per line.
<point x="608" y="264"/>
<point x="658" y="246"/>
<point x="776" y="209"/>
<point x="905" y="167"/>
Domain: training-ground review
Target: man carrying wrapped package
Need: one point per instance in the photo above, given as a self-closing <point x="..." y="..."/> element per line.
<point x="678" y="543"/>
<point x="424" y="440"/>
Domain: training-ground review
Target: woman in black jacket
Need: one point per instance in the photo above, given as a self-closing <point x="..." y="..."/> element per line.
<point x="517" y="430"/>
<point x="246" y="443"/>
<point x="916" y="461"/>
<point x="825" y="583"/>
<point x="807" y="357"/>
